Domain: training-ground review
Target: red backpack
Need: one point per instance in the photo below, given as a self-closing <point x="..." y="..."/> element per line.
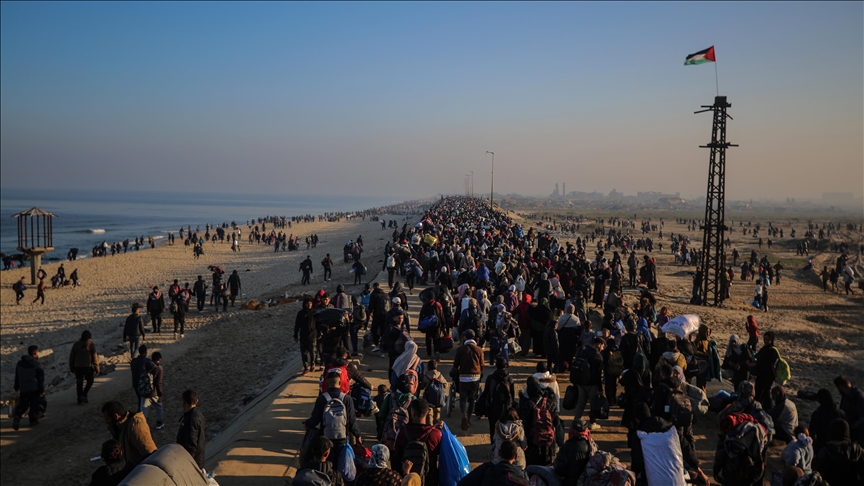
<point x="344" y="384"/>
<point x="542" y="428"/>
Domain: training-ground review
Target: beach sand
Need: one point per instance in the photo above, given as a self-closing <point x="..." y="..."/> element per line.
<point x="228" y="357"/>
<point x="231" y="357"/>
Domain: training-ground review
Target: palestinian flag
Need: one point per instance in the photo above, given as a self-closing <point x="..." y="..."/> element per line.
<point x="700" y="57"/>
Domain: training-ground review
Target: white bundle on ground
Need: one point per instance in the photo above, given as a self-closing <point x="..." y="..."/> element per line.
<point x="664" y="462"/>
<point x="682" y="326"/>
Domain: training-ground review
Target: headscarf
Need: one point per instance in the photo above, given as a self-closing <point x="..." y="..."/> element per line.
<point x="407" y="360"/>
<point x="734" y="347"/>
<point x="746" y="391"/>
<point x="462" y="289"/>
<point x="380" y="457"/>
<point x="640" y="367"/>
<point x="703" y="332"/>
<point x="677" y="381"/>
<point x="643" y="327"/>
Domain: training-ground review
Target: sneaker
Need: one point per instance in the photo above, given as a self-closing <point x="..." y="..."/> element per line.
<point x="175" y="336"/>
<point x="182" y="336"/>
<point x="375" y="349"/>
<point x="16" y="423"/>
<point x="159" y="425"/>
<point x="305" y="370"/>
<point x="382" y="355"/>
<point x="85" y="399"/>
<point x="594" y="426"/>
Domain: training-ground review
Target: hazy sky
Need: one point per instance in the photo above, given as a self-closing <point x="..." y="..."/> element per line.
<point x="406" y="98"/>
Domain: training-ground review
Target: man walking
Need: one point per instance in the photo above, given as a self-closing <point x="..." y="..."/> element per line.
<point x="40" y="291"/>
<point x="133" y="330"/>
<point x="587" y="375"/>
<point x="467" y="369"/>
<point x="306" y="334"/>
<point x="131" y="430"/>
<point x="200" y="291"/>
<point x="155" y="307"/>
<point x="84" y="363"/>
<point x="147" y="383"/>
<point x="19" y="289"/>
<point x="179" y="308"/>
<point x="191" y="433"/>
<point x="306" y="268"/>
<point x="327" y="263"/>
<point x="234" y="286"/>
<point x="30" y="384"/>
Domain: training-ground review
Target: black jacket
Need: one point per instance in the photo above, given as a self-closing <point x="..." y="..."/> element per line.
<point x="820" y="425"/>
<point x="134" y="326"/>
<point x="29" y="375"/>
<point x="200" y="288"/>
<point x="841" y="463"/>
<point x="501" y="474"/>
<point x="594" y="359"/>
<point x="350" y="414"/>
<point x="111" y="474"/>
<point x="304" y="325"/>
<point x="353" y="373"/>
<point x="571" y="460"/>
<point x="192" y="435"/>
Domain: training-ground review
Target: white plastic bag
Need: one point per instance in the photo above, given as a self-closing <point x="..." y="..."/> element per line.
<point x="664" y="462"/>
<point x="682" y="326"/>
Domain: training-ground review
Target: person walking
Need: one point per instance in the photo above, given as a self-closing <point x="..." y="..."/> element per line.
<point x="766" y="360"/>
<point x="306" y="334"/>
<point x="587" y="375"/>
<point x="327" y="264"/>
<point x="234" y="286"/>
<point x="40" y="291"/>
<point x="84" y="363"/>
<point x="155" y="307"/>
<point x="306" y="268"/>
<point x="179" y="308"/>
<point x="467" y="371"/>
<point x="133" y="330"/>
<point x="147" y="383"/>
<point x="200" y="291"/>
<point x="131" y="430"/>
<point x="19" y="289"/>
<point x="191" y="434"/>
<point x="30" y="385"/>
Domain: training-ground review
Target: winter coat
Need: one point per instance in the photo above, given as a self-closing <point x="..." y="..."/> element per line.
<point x="133" y="433"/>
<point x="572" y="459"/>
<point x="304" y="325"/>
<point x="841" y="462"/>
<point x="799" y="453"/>
<point x="83" y="355"/>
<point x="29" y="376"/>
<point x="192" y="436"/>
<point x="469" y="359"/>
<point x="156" y="303"/>
<point x="512" y="431"/>
<point x="501" y="474"/>
<point x="550" y="341"/>
<point x="134" y="327"/>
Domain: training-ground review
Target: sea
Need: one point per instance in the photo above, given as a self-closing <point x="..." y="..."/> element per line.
<point x="85" y="219"/>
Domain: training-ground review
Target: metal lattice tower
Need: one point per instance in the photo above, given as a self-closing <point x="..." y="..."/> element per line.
<point x="713" y="256"/>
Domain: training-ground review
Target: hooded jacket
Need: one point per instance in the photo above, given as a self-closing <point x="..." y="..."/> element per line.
<point x="29" y="375"/>
<point x="799" y="453"/>
<point x="512" y="431"/>
<point x="83" y="355"/>
<point x="133" y="433"/>
<point x="841" y="461"/>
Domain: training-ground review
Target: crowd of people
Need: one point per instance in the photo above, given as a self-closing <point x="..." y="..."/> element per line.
<point x="498" y="292"/>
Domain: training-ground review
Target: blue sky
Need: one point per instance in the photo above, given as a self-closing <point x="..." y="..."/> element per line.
<point x="405" y="98"/>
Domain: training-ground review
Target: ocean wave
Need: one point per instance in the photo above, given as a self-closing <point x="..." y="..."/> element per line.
<point x="96" y="231"/>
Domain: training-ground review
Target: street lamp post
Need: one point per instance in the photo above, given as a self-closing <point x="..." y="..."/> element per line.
<point x="472" y="183"/>
<point x="492" y="193"/>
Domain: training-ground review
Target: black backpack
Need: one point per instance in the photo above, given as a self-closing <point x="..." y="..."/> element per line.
<point x="417" y="452"/>
<point x="580" y="372"/>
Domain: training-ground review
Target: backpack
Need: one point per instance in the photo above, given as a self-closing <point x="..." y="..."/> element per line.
<point x="680" y="408"/>
<point x="615" y="364"/>
<point x="397" y="418"/>
<point x="434" y="393"/>
<point x="744" y="445"/>
<point x="417" y="451"/>
<point x="364" y="299"/>
<point x="542" y="429"/>
<point x="782" y="371"/>
<point x="391" y="262"/>
<point x="145" y="385"/>
<point x="335" y="419"/>
<point x="344" y="384"/>
<point x="311" y="477"/>
<point x="520" y="284"/>
<point x="472" y="321"/>
<point x="362" y="399"/>
<point x="404" y="337"/>
<point x="359" y="313"/>
<point x="580" y="372"/>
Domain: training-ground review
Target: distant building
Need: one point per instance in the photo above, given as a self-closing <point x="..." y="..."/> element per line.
<point x="613" y="194"/>
<point x="555" y="193"/>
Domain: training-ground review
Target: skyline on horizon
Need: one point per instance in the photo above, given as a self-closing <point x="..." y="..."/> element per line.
<point x="405" y="98"/>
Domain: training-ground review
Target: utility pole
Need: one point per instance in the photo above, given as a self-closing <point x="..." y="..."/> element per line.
<point x="713" y="256"/>
<point x="492" y="193"/>
<point x="472" y="183"/>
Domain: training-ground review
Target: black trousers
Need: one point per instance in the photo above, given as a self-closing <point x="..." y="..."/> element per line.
<point x="156" y="320"/>
<point x="327" y="273"/>
<point x="200" y="300"/>
<point x="33" y="402"/>
<point x="181" y="321"/>
<point x="82" y="374"/>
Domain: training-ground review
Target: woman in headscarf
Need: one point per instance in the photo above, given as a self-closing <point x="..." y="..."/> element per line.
<point x="533" y="396"/>
<point x="408" y="360"/>
<point x="540" y="315"/>
<point x="378" y="472"/>
<point x="637" y="389"/>
<point x="509" y="427"/>
<point x="736" y="360"/>
<point x="557" y="297"/>
<point x="820" y="420"/>
<point x="601" y="277"/>
<point x="521" y="314"/>
<point x="700" y="345"/>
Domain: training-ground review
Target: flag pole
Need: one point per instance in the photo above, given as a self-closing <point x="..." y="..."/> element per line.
<point x="716" y="82"/>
